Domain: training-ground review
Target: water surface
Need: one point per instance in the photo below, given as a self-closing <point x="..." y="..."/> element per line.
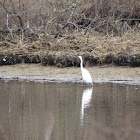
<point x="68" y="111"/>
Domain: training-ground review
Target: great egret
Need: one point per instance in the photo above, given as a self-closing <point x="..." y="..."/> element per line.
<point x="85" y="74"/>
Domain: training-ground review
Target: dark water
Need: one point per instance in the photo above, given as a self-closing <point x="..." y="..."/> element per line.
<point x="68" y="111"/>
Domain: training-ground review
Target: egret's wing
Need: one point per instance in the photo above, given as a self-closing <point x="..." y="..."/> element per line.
<point x="86" y="76"/>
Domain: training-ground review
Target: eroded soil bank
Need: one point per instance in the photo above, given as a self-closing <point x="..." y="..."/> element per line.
<point x="35" y="72"/>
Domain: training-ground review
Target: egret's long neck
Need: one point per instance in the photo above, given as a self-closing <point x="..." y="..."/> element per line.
<point x="81" y="65"/>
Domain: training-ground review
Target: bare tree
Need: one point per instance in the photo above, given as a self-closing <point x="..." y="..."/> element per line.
<point x="48" y="17"/>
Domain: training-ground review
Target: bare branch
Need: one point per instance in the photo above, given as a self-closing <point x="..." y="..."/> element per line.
<point x="70" y="20"/>
<point x="9" y="27"/>
<point x="64" y="28"/>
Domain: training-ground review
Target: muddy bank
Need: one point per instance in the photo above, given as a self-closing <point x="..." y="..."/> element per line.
<point x="66" y="60"/>
<point x="35" y="72"/>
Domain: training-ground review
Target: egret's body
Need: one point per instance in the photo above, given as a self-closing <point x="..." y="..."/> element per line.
<point x="85" y="74"/>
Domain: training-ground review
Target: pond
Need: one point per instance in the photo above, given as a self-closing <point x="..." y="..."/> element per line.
<point x="68" y="111"/>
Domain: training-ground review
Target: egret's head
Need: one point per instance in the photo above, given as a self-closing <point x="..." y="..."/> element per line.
<point x="80" y="57"/>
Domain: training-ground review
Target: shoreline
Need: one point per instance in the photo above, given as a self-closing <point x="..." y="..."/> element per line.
<point x="100" y="74"/>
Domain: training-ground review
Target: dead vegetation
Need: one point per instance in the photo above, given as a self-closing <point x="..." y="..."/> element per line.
<point x="102" y="29"/>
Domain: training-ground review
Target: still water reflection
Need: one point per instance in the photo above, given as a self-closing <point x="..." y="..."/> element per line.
<point x="68" y="111"/>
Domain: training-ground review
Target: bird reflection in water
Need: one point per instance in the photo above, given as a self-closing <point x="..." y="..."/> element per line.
<point x="86" y="98"/>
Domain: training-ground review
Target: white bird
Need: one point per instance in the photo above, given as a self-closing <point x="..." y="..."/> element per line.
<point x="4" y="59"/>
<point x="85" y="74"/>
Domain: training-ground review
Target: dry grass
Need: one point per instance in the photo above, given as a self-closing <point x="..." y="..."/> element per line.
<point x="74" y="44"/>
<point x="107" y="35"/>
